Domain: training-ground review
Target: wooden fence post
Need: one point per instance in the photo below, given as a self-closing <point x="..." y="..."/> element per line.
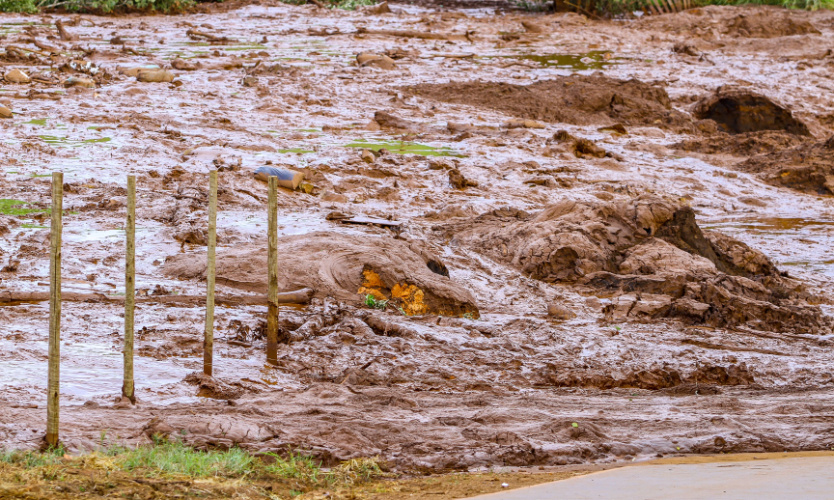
<point x="208" y="345"/>
<point x="272" y="308"/>
<point x="53" y="386"/>
<point x="128" y="390"/>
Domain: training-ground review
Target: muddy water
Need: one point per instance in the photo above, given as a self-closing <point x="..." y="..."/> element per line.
<point x="437" y="392"/>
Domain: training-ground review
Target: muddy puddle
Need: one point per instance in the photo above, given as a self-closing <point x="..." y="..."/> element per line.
<point x="551" y="280"/>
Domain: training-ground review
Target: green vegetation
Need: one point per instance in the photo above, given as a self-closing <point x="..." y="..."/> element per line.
<point x="375" y="303"/>
<point x="96" y="6"/>
<point x="338" y="4"/>
<point x="402" y="147"/>
<point x="16" y="207"/>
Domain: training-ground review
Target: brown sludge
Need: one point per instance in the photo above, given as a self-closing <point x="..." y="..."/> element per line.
<point x="487" y="243"/>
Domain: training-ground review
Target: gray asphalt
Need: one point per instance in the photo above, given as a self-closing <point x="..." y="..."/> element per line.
<point x="806" y="478"/>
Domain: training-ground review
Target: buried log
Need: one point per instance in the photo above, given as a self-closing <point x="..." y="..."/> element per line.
<point x="299" y="297"/>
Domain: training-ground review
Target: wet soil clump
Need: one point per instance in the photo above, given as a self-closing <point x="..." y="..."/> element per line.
<point x="650" y="257"/>
<point x="738" y="111"/>
<point x="808" y="168"/>
<point x="744" y="144"/>
<point x="575" y="99"/>
<point x="344" y="267"/>
<point x="714" y="21"/>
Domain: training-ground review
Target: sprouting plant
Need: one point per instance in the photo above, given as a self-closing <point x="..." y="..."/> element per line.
<point x="469" y="315"/>
<point x="375" y="303"/>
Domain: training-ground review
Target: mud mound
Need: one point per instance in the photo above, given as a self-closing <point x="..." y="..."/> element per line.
<point x="808" y="167"/>
<point x="737" y="111"/>
<point x="344" y="267"/>
<point x="576" y="99"/>
<point x="652" y="378"/>
<point x="764" y="24"/>
<point x="744" y="144"/>
<point x="740" y="22"/>
<point x="651" y="258"/>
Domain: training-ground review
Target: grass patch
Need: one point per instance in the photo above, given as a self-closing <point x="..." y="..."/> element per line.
<point x="17" y="207"/>
<point x="374" y="303"/>
<point x="339" y="4"/>
<point x="404" y="147"/>
<point x="96" y="6"/>
<point x="171" y="469"/>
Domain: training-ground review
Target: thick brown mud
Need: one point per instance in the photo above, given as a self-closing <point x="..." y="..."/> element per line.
<point x="530" y="239"/>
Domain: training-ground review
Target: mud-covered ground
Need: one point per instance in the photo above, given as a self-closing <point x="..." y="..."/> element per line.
<point x="614" y="239"/>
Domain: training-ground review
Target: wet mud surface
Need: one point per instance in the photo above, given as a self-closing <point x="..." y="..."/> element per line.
<point x="581" y="243"/>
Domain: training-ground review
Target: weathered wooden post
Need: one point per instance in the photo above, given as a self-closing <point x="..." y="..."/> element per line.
<point x="208" y="344"/>
<point x="53" y="386"/>
<point x="272" y="308"/>
<point x="128" y="390"/>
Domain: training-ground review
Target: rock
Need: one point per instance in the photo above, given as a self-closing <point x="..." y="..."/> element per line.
<point x="518" y="123"/>
<point x="368" y="156"/>
<point x="737" y="111"/>
<point x="154" y="76"/>
<point x="380" y="8"/>
<point x="5" y="112"/>
<point x="560" y="312"/>
<point x="80" y="82"/>
<point x="157" y="429"/>
<point x="250" y="81"/>
<point x="686" y="48"/>
<point x="17" y="76"/>
<point x="584" y="148"/>
<point x="458" y="181"/>
<point x="184" y="65"/>
<point x="330" y="196"/>
<point x="376" y="60"/>
<point x="531" y="27"/>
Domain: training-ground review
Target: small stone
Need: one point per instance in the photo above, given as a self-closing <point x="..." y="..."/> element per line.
<point x="560" y="312"/>
<point x="183" y="65"/>
<point x="155" y="76"/>
<point x="375" y="60"/>
<point x="5" y="112"/>
<point x="17" y="76"/>
<point x="368" y="156"/>
<point x="73" y="81"/>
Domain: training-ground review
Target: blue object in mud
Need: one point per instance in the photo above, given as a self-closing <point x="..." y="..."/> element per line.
<point x="286" y="178"/>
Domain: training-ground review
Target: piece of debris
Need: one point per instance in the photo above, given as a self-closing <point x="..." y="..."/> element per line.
<point x="16" y="76"/>
<point x="289" y="179"/>
<point x="376" y="60"/>
<point x="154" y="76"/>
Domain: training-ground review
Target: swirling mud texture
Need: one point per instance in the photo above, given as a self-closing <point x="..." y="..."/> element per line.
<point x="531" y="239"/>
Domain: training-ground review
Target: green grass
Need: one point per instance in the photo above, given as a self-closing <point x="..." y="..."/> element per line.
<point x="29" y="459"/>
<point x="375" y="303"/>
<point x="175" y="458"/>
<point x="17" y="207"/>
<point x="403" y="147"/>
<point x="96" y="6"/>
<point x="339" y="4"/>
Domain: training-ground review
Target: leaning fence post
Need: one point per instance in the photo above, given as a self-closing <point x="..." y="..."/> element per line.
<point x="53" y="388"/>
<point x="208" y="345"/>
<point x="272" y="308"/>
<point x="130" y="285"/>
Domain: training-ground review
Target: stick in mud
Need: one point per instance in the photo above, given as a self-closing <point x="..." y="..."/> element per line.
<point x="208" y="345"/>
<point x="53" y="390"/>
<point x="272" y="307"/>
<point x="130" y="285"/>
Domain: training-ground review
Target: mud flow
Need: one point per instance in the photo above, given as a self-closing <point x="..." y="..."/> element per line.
<point x="523" y="239"/>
